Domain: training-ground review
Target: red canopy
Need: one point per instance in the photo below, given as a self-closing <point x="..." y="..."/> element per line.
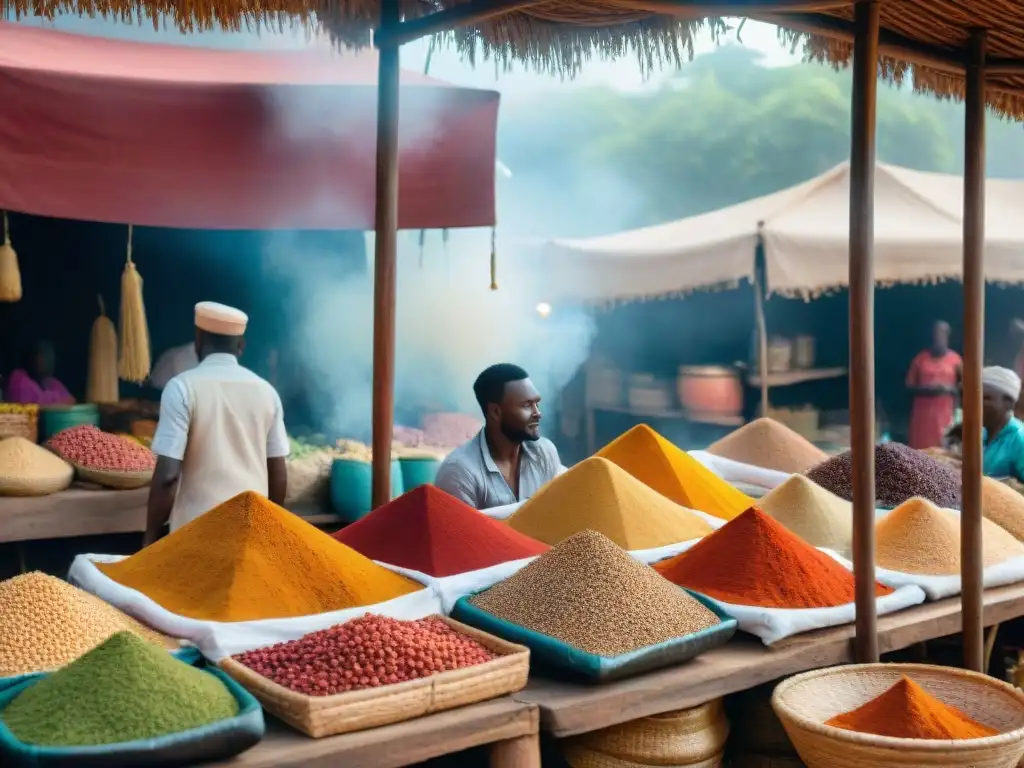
<point x="161" y="135"/>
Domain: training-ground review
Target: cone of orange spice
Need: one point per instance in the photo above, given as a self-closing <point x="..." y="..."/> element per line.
<point x="753" y="560"/>
<point x="908" y="711"/>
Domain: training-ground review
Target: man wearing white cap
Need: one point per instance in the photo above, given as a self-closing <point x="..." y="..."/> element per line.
<point x="221" y="429"/>
<point x="1003" y="433"/>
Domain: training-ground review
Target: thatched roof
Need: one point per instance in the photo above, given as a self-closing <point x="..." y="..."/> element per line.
<point x="924" y="38"/>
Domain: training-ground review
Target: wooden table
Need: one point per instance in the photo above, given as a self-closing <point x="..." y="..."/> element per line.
<point x="509" y="726"/>
<point x="85" y="512"/>
<point x="568" y="709"/>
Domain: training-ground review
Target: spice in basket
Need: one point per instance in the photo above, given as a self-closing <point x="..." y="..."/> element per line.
<point x="25" y="466"/>
<point x="767" y="443"/>
<point x="590" y="594"/>
<point x="46" y="623"/>
<point x="908" y="711"/>
<point x="753" y="560"/>
<point x="121" y="691"/>
<point x="1003" y="506"/>
<point x="812" y="513"/>
<point x="918" y="537"/>
<point x="901" y="473"/>
<point x="367" y="652"/>
<point x="86" y="446"/>
<point x="431" y="531"/>
<point x="656" y="462"/>
<point x="600" y="496"/>
<point x="249" y="559"/>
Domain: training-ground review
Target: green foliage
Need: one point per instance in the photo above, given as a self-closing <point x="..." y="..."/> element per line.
<point x="723" y="130"/>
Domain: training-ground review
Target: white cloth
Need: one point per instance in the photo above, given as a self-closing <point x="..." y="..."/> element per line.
<point x="223" y="422"/>
<point x="1002" y="380"/>
<point x="172" y="362"/>
<point x="221" y="319"/>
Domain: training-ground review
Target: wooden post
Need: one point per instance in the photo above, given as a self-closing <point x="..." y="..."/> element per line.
<point x="974" y="342"/>
<point x="521" y="752"/>
<point x="862" y="322"/>
<point x="762" y="324"/>
<point x="385" y="258"/>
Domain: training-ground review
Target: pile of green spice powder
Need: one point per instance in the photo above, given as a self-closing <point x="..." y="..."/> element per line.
<point x="122" y="690"/>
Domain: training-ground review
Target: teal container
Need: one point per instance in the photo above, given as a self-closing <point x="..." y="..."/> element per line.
<point x="352" y="487"/>
<point x="417" y="471"/>
<point x="54" y="419"/>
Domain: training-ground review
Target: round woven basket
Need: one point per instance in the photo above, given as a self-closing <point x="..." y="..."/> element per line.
<point x="23" y="424"/>
<point x="803" y="704"/>
<point x="20" y="486"/>
<point x="120" y="481"/>
<point x="682" y="737"/>
<point x="580" y="757"/>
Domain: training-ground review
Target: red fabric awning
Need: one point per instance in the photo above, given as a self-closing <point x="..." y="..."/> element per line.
<point x="107" y="130"/>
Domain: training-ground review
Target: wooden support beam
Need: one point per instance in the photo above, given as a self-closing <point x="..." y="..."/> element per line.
<point x="974" y="342"/>
<point x="862" y="323"/>
<point x="461" y="15"/>
<point x="385" y="259"/>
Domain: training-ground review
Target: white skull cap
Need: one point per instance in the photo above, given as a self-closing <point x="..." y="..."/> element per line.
<point x="220" y="319"/>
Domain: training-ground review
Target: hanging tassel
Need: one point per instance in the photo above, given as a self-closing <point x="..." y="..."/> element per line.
<point x="10" y="274"/>
<point x="134" y="360"/>
<point x="101" y="386"/>
<point x="494" y="258"/>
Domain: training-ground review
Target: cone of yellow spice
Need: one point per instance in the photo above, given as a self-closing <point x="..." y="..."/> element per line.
<point x="249" y="559"/>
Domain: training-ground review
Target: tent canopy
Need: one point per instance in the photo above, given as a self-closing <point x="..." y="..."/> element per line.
<point x="805" y="231"/>
<point x="108" y="130"/>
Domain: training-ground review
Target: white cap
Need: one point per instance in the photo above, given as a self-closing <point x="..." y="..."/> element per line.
<point x="1002" y="380"/>
<point x="220" y="319"/>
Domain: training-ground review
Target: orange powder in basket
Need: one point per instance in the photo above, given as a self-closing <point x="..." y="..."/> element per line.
<point x="754" y="560"/>
<point x="672" y="472"/>
<point x="599" y="496"/>
<point x="908" y="711"/>
<point x="250" y="559"/>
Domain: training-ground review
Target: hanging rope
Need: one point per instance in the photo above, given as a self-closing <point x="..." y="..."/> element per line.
<point x="134" y="359"/>
<point x="10" y="273"/>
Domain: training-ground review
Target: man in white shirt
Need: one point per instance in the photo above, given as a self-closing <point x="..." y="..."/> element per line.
<point x="221" y="429"/>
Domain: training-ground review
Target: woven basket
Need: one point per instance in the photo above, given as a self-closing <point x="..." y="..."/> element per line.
<point x="25" y="424"/>
<point x="319" y="716"/>
<point x="580" y="757"/>
<point x="119" y="481"/>
<point x="806" y="701"/>
<point x="20" y="486"/>
<point x="675" y="738"/>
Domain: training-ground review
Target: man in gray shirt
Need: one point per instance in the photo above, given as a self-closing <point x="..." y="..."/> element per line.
<point x="508" y="460"/>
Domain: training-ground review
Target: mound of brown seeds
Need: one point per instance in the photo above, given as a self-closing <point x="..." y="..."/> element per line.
<point x="901" y="473"/>
<point x="591" y="594"/>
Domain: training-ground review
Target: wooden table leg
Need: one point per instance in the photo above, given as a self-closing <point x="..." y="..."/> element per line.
<point x="522" y="752"/>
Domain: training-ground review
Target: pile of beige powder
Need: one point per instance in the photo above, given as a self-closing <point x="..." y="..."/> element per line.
<point x="768" y="444"/>
<point x="46" y="623"/>
<point x="27" y="469"/>
<point x="818" y="517"/>
<point x="919" y="537"/>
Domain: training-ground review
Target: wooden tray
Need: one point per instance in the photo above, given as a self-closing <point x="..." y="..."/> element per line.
<point x="320" y="716"/>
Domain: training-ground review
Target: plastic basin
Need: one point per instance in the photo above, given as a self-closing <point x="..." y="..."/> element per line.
<point x="54" y="419"/>
<point x="417" y="471"/>
<point x="352" y="487"/>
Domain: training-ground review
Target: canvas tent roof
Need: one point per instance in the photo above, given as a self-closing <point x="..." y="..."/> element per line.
<point x="918" y="238"/>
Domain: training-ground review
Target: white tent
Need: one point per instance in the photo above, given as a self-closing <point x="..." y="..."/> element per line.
<point x="805" y="231"/>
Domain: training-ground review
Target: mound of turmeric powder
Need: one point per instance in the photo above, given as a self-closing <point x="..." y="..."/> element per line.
<point x="250" y="559"/>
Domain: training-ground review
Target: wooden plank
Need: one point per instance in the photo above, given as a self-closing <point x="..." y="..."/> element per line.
<point x="788" y="378"/>
<point x="393" y="745"/>
<point x="75" y="512"/>
<point x="84" y="512"/>
<point x="567" y="709"/>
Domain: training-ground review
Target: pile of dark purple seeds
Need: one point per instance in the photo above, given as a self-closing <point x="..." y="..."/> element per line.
<point x="900" y="474"/>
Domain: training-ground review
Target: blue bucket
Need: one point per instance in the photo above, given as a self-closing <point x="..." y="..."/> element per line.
<point x="352" y="487"/>
<point x="418" y="470"/>
<point x="57" y="418"/>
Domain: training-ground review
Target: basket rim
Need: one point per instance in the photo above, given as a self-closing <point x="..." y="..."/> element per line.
<point x="128" y="474"/>
<point x="870" y="739"/>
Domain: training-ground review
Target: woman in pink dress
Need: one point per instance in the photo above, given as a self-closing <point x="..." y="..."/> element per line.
<point x="934" y="380"/>
<point x="35" y="382"/>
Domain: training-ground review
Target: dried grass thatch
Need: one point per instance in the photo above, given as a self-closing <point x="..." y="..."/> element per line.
<point x="559" y="36"/>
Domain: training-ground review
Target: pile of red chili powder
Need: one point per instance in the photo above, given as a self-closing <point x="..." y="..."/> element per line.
<point x="754" y="560"/>
<point x="367" y="652"/>
<point x="430" y="531"/>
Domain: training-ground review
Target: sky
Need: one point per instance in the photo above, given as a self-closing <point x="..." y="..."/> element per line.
<point x="624" y="74"/>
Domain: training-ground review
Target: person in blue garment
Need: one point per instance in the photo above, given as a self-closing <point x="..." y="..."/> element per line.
<point x="1003" y="434"/>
